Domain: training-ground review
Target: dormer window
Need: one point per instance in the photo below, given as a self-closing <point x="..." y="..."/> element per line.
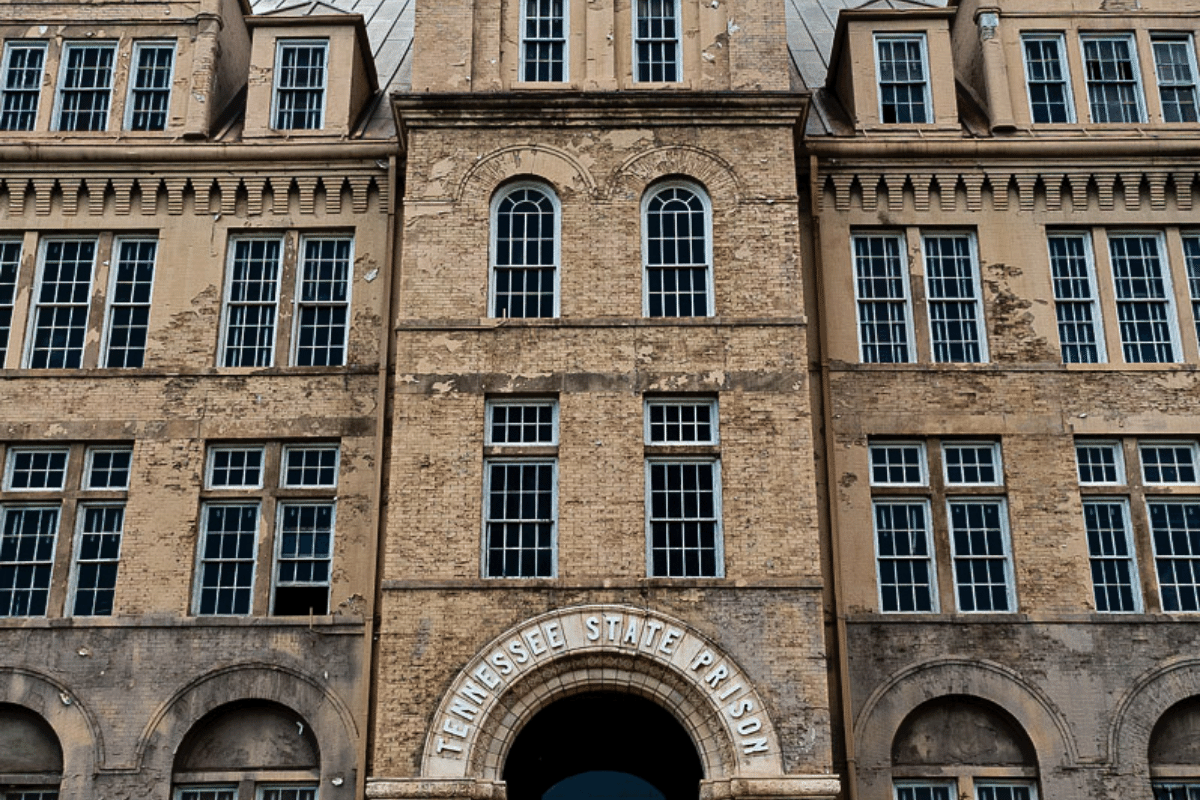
<point x="1175" y="67"/>
<point x="903" y="78"/>
<point x="1111" y="70"/>
<point x="85" y="86"/>
<point x="300" y="78"/>
<point x="150" y="86"/>
<point x="543" y="41"/>
<point x="23" y="66"/>
<point x="656" y="41"/>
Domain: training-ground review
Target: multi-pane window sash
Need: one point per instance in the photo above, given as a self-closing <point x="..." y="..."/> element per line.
<point x="525" y="254"/>
<point x="980" y="554"/>
<point x="206" y="793"/>
<point x="1046" y="77"/>
<point x="905" y="555"/>
<point x="252" y="302"/>
<point x="1080" y="337"/>
<point x="1191" y="255"/>
<point x="925" y="791"/>
<point x="85" y="86"/>
<point x="28" y="532"/>
<point x="522" y="422"/>
<point x="1145" y="306"/>
<point x="129" y="302"/>
<point x="1100" y="463"/>
<point x="100" y="530"/>
<point x="308" y="792"/>
<point x="19" y="793"/>
<point x="1175" y="533"/>
<point x="543" y="40"/>
<point x="1111" y="555"/>
<point x="684" y="518"/>
<point x="10" y="264"/>
<point x="881" y="290"/>
<point x="898" y="464"/>
<point x="60" y="313"/>
<point x="656" y="41"/>
<point x="903" y="79"/>
<point x="323" y="301"/>
<point x="681" y="422"/>
<point x="235" y="468"/>
<point x="1114" y="90"/>
<point x="300" y="79"/>
<point x="677" y="242"/>
<point x="304" y="537"/>
<point x="1175" y="68"/>
<point x="1166" y="463"/>
<point x="150" y="86"/>
<point x="1004" y="791"/>
<point x="229" y="537"/>
<point x="520" y="521"/>
<point x="955" y="310"/>
<point x="310" y="467"/>
<point x="970" y="464"/>
<point x="1164" y="790"/>
<point x="22" y="86"/>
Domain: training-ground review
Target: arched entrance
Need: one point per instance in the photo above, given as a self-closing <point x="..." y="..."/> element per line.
<point x="603" y="745"/>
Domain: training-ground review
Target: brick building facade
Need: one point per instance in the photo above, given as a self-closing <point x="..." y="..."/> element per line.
<point x="793" y="398"/>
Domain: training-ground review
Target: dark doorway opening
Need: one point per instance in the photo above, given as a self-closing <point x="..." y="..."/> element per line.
<point x="603" y="746"/>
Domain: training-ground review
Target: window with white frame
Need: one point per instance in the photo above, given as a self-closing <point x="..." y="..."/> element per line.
<point x="1191" y="257"/>
<point x="520" y="517"/>
<point x="955" y="304"/>
<point x="48" y="488"/>
<point x="1047" y="78"/>
<point x="286" y="492"/>
<point x="1112" y="556"/>
<point x="1176" y="790"/>
<point x="683" y="489"/>
<point x="206" y="793"/>
<point x="1145" y="300"/>
<point x="883" y="303"/>
<point x="677" y="251"/>
<point x="10" y="264"/>
<point x="924" y="791"/>
<point x="525" y="252"/>
<point x="130" y="286"/>
<point x="27" y="793"/>
<point x="20" y="93"/>
<point x="903" y="78"/>
<point x="907" y="502"/>
<point x="1112" y="74"/>
<point x="85" y="84"/>
<point x="1175" y="69"/>
<point x="300" y="80"/>
<point x="150" y="86"/>
<point x="544" y="41"/>
<point x="656" y="41"/>
<point x="262" y="791"/>
<point x="1100" y="463"/>
<point x="250" y="336"/>
<point x="59" y="317"/>
<point x="988" y="790"/>
<point x="1076" y="304"/>
<point x="1175" y="534"/>
<point x="1167" y="463"/>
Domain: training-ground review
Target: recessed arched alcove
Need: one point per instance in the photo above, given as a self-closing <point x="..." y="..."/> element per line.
<point x="1174" y="754"/>
<point x="597" y="744"/>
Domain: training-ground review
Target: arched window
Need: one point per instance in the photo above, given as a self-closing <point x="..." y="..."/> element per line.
<point x="31" y="758"/>
<point x="525" y="251"/>
<point x="962" y="747"/>
<point x="1175" y="752"/>
<point x="251" y="751"/>
<point x="677" y="251"/>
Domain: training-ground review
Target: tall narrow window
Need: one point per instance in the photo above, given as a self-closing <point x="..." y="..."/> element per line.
<point x="1145" y="308"/>
<point x="100" y="528"/>
<point x="980" y="549"/>
<point x="1175" y="534"/>
<point x="677" y="247"/>
<point x="28" y="531"/>
<point x="129" y="302"/>
<point x="323" y="301"/>
<point x="22" y="87"/>
<point x="544" y="40"/>
<point x="656" y="41"/>
<point x="1080" y="338"/>
<point x="905" y="555"/>
<point x="520" y="492"/>
<point x="10" y="262"/>
<point x="525" y="247"/>
<point x="683" y="494"/>
<point x="150" y="86"/>
<point x="1114" y="89"/>
<point x="85" y="86"/>
<point x="1175" y="68"/>
<point x="229" y="533"/>
<point x="903" y="79"/>
<point x="1191" y="254"/>
<point x="881" y="288"/>
<point x="304" y="533"/>
<point x="955" y="307"/>
<point x="1110" y="552"/>
<point x="300" y="78"/>
<point x="1046" y="78"/>
<point x="252" y="296"/>
<point x="60" y="312"/>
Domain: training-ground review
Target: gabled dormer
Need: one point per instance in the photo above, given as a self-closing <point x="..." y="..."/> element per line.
<point x="294" y="52"/>
<point x="892" y="68"/>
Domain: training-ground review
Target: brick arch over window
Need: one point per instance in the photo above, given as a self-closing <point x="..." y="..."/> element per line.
<point x="878" y="724"/>
<point x="332" y="723"/>
<point x="1167" y="687"/>
<point x="72" y="723"/>
<point x="565" y="173"/>
<point x="714" y="174"/>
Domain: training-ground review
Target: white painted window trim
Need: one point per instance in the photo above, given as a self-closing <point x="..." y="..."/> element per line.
<point x="1119" y="460"/>
<point x="552" y="462"/>
<point x="277" y="548"/>
<point x="77" y="545"/>
<point x="35" y="303"/>
<point x="1064" y="65"/>
<point x="198" y="570"/>
<point x="60" y="84"/>
<point x="930" y="544"/>
<point x="997" y="463"/>
<point x="949" y="786"/>
<point x="493" y="239"/>
<point x="226" y="294"/>
<point x="920" y="38"/>
<point x="1134" y="573"/>
<point x="682" y="401"/>
<point x="210" y="461"/>
<point x="138" y="46"/>
<point x="288" y="449"/>
<point x="706" y="202"/>
<point x="261" y="789"/>
<point x="905" y="280"/>
<point x="1006" y="543"/>
<point x="635" y="39"/>
<point x="977" y="286"/>
<point x="114" y="261"/>
<point x="1189" y="444"/>
<point x="1139" y="89"/>
<point x="718" y="512"/>
<point x="492" y="405"/>
<point x="5" y="510"/>
<point x="282" y="44"/>
<point x="1176" y="36"/>
<point x="89" y="455"/>
<point x="922" y="461"/>
<point x="298" y="293"/>
<point x="1089" y="254"/>
<point x="1168" y="290"/>
<point x="9" y="47"/>
<point x="566" y="42"/>
<point x="984" y="783"/>
<point x="10" y="467"/>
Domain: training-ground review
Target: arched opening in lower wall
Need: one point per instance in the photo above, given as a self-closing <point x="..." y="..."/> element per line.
<point x="31" y="758"/>
<point x="599" y="745"/>
<point x="1175" y="752"/>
